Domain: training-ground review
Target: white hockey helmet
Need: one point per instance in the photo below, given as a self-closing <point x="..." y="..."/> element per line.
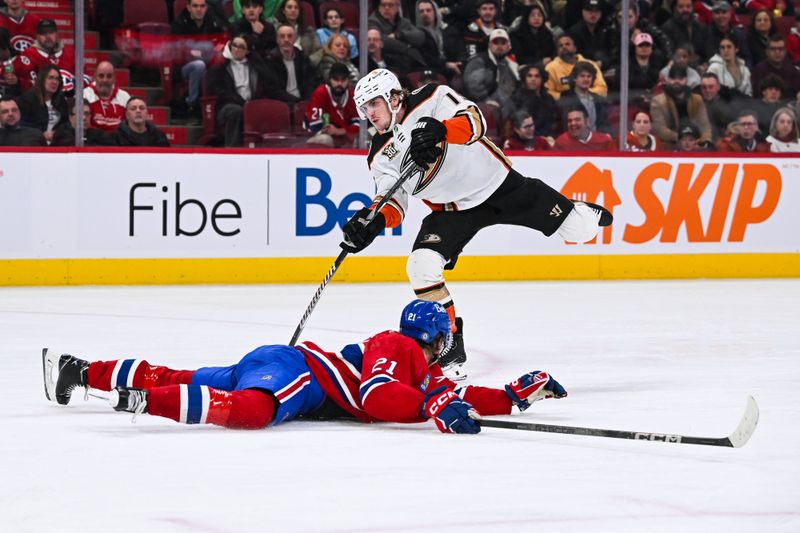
<point x="379" y="82"/>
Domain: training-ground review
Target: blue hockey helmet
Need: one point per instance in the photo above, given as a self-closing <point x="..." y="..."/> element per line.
<point x="425" y="322"/>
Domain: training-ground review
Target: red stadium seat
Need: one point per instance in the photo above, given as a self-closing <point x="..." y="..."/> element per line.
<point x="784" y="25"/>
<point x="349" y="12"/>
<point x="179" y="6"/>
<point x="308" y="14"/>
<point x="492" y="127"/>
<point x="144" y="11"/>
<point x="267" y="123"/>
<point x="299" y="116"/>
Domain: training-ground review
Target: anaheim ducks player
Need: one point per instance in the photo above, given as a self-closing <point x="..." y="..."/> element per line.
<point x="468" y="183"/>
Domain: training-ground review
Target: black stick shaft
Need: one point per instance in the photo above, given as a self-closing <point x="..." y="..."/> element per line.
<point x="610" y="433"/>
<point x="410" y="171"/>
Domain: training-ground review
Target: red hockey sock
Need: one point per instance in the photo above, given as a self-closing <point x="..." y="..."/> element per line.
<point x="200" y="404"/>
<point x="105" y="375"/>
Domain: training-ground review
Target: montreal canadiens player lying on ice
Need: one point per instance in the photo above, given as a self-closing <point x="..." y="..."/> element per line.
<point x="467" y="182"/>
<point x="390" y="377"/>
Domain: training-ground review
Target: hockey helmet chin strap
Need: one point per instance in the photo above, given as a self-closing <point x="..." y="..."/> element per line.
<point x="394" y="113"/>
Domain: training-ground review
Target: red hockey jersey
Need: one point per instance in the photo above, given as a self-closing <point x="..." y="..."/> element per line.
<point x="28" y="64"/>
<point x="23" y="31"/>
<point x="107" y="113"/>
<point x="386" y="379"/>
<point x="322" y="103"/>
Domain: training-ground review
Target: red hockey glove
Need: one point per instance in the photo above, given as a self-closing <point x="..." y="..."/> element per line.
<point x="534" y="386"/>
<point x="450" y="412"/>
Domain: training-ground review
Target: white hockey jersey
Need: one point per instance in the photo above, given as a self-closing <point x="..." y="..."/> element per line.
<point x="464" y="176"/>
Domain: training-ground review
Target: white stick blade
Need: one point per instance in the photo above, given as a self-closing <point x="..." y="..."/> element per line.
<point x="747" y="425"/>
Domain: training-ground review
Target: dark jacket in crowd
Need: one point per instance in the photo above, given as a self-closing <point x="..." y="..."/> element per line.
<point x="222" y="84"/>
<point x="542" y="107"/>
<point x="64" y="135"/>
<point x="596" y="46"/>
<point x="21" y="136"/>
<point x="125" y="136"/>
<point x="693" y="33"/>
<point x="35" y="114"/>
<point x="184" y="25"/>
<point x="531" y="47"/>
<point x="262" y="43"/>
<point x="307" y="79"/>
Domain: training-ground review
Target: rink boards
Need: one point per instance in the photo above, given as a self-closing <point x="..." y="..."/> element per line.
<point x="271" y="217"/>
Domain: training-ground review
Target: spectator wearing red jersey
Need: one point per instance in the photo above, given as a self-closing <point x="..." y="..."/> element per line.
<point x="106" y="100"/>
<point x="793" y="41"/>
<point x="522" y="134"/>
<point x="580" y="138"/>
<point x="639" y="138"/>
<point x="331" y="113"/>
<point x="20" y="23"/>
<point x="48" y="49"/>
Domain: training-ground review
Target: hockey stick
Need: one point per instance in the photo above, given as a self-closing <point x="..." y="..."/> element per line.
<point x="737" y="439"/>
<point x="410" y="171"/>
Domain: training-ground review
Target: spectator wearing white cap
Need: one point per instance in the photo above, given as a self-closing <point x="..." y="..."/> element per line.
<point x="492" y="77"/>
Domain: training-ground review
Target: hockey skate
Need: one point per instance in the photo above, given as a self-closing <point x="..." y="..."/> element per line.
<point x="605" y="216"/>
<point x="455" y="358"/>
<point x="130" y="400"/>
<point x="71" y="373"/>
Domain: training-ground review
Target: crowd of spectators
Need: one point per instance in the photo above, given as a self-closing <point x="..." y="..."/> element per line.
<point x="703" y="75"/>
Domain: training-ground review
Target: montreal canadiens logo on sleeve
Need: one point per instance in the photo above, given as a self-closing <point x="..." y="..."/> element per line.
<point x="69" y="80"/>
<point x="20" y="43"/>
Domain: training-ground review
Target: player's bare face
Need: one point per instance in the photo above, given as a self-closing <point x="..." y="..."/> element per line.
<point x="377" y="111"/>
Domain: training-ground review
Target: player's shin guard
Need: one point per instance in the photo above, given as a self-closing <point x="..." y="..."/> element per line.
<point x="200" y="404"/>
<point x="133" y="373"/>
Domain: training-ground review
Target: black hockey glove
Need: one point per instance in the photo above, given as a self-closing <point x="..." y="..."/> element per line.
<point x="358" y="233"/>
<point x="427" y="133"/>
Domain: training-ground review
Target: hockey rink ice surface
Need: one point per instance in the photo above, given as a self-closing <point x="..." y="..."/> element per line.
<point x="667" y="356"/>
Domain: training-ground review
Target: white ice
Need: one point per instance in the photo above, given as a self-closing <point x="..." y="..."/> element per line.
<point x="671" y="357"/>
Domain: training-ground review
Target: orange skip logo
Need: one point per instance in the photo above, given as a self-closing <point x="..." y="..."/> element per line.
<point x="690" y="182"/>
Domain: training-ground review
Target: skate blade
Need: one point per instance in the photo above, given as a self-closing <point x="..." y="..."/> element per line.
<point x="456" y="372"/>
<point x="49" y="359"/>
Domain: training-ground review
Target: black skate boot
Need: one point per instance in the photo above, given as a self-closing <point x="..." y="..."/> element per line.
<point x="606" y="218"/>
<point x="71" y="374"/>
<point x="454" y="359"/>
<point x="130" y="400"/>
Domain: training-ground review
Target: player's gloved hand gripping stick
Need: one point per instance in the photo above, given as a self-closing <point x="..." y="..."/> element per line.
<point x="365" y="234"/>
